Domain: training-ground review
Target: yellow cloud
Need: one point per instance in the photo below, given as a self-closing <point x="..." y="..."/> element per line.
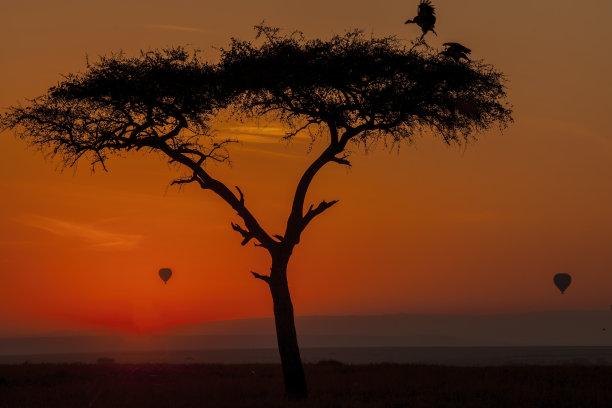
<point x="254" y="134"/>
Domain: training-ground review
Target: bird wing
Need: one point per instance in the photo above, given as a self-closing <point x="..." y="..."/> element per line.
<point x="426" y="9"/>
<point x="458" y="47"/>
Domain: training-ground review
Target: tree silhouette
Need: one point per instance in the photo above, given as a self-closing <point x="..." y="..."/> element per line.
<point x="347" y="89"/>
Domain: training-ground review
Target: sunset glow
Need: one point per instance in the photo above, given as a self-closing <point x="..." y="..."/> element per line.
<point x="426" y="228"/>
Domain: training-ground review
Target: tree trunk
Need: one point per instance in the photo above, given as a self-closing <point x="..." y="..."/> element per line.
<point x="293" y="372"/>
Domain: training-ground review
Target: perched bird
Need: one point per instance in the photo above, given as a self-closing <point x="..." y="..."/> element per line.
<point x="426" y="17"/>
<point x="456" y="51"/>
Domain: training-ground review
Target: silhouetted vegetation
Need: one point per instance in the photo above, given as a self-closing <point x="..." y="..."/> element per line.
<point x="382" y="385"/>
<point x="347" y="90"/>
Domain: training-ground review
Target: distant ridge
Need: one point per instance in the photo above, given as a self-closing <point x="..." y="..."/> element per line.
<point x="562" y="328"/>
<point x="568" y="328"/>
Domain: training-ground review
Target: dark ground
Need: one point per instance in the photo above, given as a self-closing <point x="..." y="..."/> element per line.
<point x="331" y="385"/>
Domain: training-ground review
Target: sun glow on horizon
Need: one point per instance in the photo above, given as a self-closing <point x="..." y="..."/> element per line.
<point x="427" y="229"/>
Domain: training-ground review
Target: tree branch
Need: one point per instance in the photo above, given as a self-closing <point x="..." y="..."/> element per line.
<point x="188" y="180"/>
<point x="241" y="199"/>
<point x="313" y="212"/>
<point x="247" y="235"/>
<point x="297" y="221"/>
<point x="264" y="278"/>
<point x="341" y="160"/>
<point x="253" y="229"/>
<point x="294" y="132"/>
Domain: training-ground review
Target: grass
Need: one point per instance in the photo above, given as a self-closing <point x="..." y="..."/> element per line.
<point x="331" y="385"/>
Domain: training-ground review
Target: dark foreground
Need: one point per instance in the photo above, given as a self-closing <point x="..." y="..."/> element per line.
<point x="331" y="385"/>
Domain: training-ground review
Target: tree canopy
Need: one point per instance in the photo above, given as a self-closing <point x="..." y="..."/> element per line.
<point x="365" y="85"/>
<point x="123" y="103"/>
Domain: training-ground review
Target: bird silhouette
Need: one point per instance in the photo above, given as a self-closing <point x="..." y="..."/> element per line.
<point x="426" y="17"/>
<point x="456" y="51"/>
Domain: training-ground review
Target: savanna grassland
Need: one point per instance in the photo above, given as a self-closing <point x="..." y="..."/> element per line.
<point x="331" y="385"/>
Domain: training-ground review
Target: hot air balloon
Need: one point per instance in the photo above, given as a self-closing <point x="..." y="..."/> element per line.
<point x="562" y="281"/>
<point x="165" y="274"/>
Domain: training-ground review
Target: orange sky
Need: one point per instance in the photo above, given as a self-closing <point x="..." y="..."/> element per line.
<point x="434" y="229"/>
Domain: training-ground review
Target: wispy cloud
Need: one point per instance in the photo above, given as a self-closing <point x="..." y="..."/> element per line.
<point x="256" y="130"/>
<point x="254" y="134"/>
<point x="272" y="153"/>
<point x="99" y="238"/>
<point x="172" y="27"/>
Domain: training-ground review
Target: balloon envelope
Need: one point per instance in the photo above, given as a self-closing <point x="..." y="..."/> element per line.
<point x="165" y="274"/>
<point x="562" y="281"/>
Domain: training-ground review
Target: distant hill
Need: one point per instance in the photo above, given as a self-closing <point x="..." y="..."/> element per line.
<point x="567" y="328"/>
<point x="573" y="328"/>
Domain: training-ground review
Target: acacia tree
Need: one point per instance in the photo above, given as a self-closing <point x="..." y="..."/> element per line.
<point x="347" y="89"/>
